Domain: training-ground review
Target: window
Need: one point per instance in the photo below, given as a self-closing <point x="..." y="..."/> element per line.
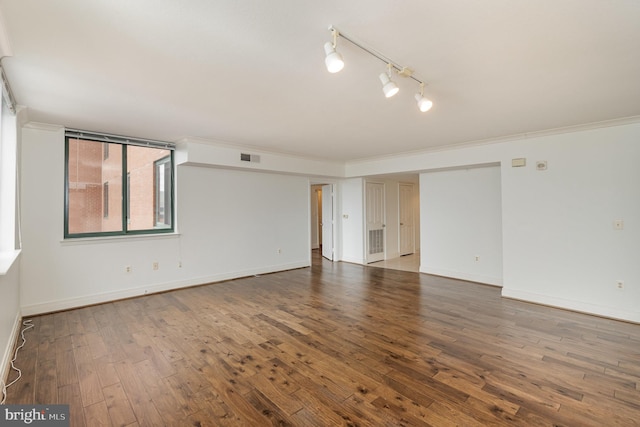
<point x="162" y="193"/>
<point x="8" y="188"/>
<point x="127" y="191"/>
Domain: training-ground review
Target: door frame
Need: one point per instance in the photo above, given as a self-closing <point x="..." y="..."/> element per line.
<point x="413" y="219"/>
<point x="315" y="219"/>
<point x="336" y="245"/>
<point x="327" y="226"/>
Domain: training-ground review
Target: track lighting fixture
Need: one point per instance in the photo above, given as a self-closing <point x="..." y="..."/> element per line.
<point x="424" y="104"/>
<point x="333" y="61"/>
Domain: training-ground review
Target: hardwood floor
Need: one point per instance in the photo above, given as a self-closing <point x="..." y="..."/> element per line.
<point x="405" y="263"/>
<point x="335" y="344"/>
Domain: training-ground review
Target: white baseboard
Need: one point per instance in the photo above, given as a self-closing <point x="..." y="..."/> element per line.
<point x="353" y="260"/>
<point x="487" y="280"/>
<point x="69" y="303"/>
<point x="582" y="307"/>
<point x="5" y="363"/>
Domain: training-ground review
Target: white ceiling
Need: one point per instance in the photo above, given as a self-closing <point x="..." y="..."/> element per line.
<point x="252" y="72"/>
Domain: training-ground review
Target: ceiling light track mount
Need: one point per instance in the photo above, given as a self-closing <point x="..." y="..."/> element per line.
<point x="335" y="63"/>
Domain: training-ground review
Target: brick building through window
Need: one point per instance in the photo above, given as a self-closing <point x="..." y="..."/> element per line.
<point x="97" y="194"/>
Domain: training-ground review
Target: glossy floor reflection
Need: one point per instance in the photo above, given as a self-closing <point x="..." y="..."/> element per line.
<point x="404" y="263"/>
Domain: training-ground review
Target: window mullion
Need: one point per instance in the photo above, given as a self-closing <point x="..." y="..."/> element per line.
<point x="171" y="189"/>
<point x="125" y="191"/>
<point x="66" y="188"/>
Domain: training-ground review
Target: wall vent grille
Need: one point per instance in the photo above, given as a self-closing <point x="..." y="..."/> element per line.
<point x="376" y="242"/>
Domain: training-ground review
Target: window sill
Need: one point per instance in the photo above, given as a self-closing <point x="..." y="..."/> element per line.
<point x="7" y="259"/>
<point x="117" y="239"/>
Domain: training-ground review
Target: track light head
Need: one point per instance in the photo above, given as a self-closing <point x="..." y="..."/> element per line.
<point x="388" y="86"/>
<point x="333" y="60"/>
<point x="424" y="104"/>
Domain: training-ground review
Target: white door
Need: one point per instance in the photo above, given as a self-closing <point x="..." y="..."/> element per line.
<point x="374" y="211"/>
<point x="327" y="221"/>
<point x="407" y="230"/>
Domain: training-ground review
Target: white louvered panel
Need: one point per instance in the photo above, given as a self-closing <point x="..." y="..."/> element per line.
<point x="376" y="243"/>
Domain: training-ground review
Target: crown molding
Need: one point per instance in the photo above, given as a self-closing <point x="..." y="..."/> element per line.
<point x="5" y="46"/>
<point x="507" y="138"/>
<point x="43" y="126"/>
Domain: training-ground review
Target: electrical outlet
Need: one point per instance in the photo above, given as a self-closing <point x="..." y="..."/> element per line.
<point x="620" y="284"/>
<point x="156" y="265"/>
<point x="127" y="269"/>
<point x="179" y="264"/>
<point x="279" y="250"/>
<point x="477" y="258"/>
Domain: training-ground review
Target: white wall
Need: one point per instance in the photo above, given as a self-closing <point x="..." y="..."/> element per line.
<point x="559" y="245"/>
<point x="9" y="315"/>
<point x="230" y="223"/>
<point x="234" y="222"/>
<point x="416" y="214"/>
<point x="461" y="220"/>
<point x="351" y="199"/>
<point x="391" y="219"/>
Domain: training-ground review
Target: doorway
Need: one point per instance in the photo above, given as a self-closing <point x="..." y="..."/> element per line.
<point x="322" y="221"/>
<point x="401" y="221"/>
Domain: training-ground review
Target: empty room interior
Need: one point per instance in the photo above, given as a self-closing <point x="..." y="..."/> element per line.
<point x="321" y="213"/>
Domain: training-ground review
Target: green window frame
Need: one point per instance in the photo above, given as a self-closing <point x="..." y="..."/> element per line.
<point x="130" y="191"/>
<point x="163" y="216"/>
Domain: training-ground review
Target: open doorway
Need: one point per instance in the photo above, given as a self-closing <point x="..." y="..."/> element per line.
<point x="322" y="221"/>
<point x="400" y="220"/>
<point x="316" y="216"/>
<point x="400" y="205"/>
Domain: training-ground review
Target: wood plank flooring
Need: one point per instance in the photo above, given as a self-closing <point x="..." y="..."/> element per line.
<point x="331" y="345"/>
